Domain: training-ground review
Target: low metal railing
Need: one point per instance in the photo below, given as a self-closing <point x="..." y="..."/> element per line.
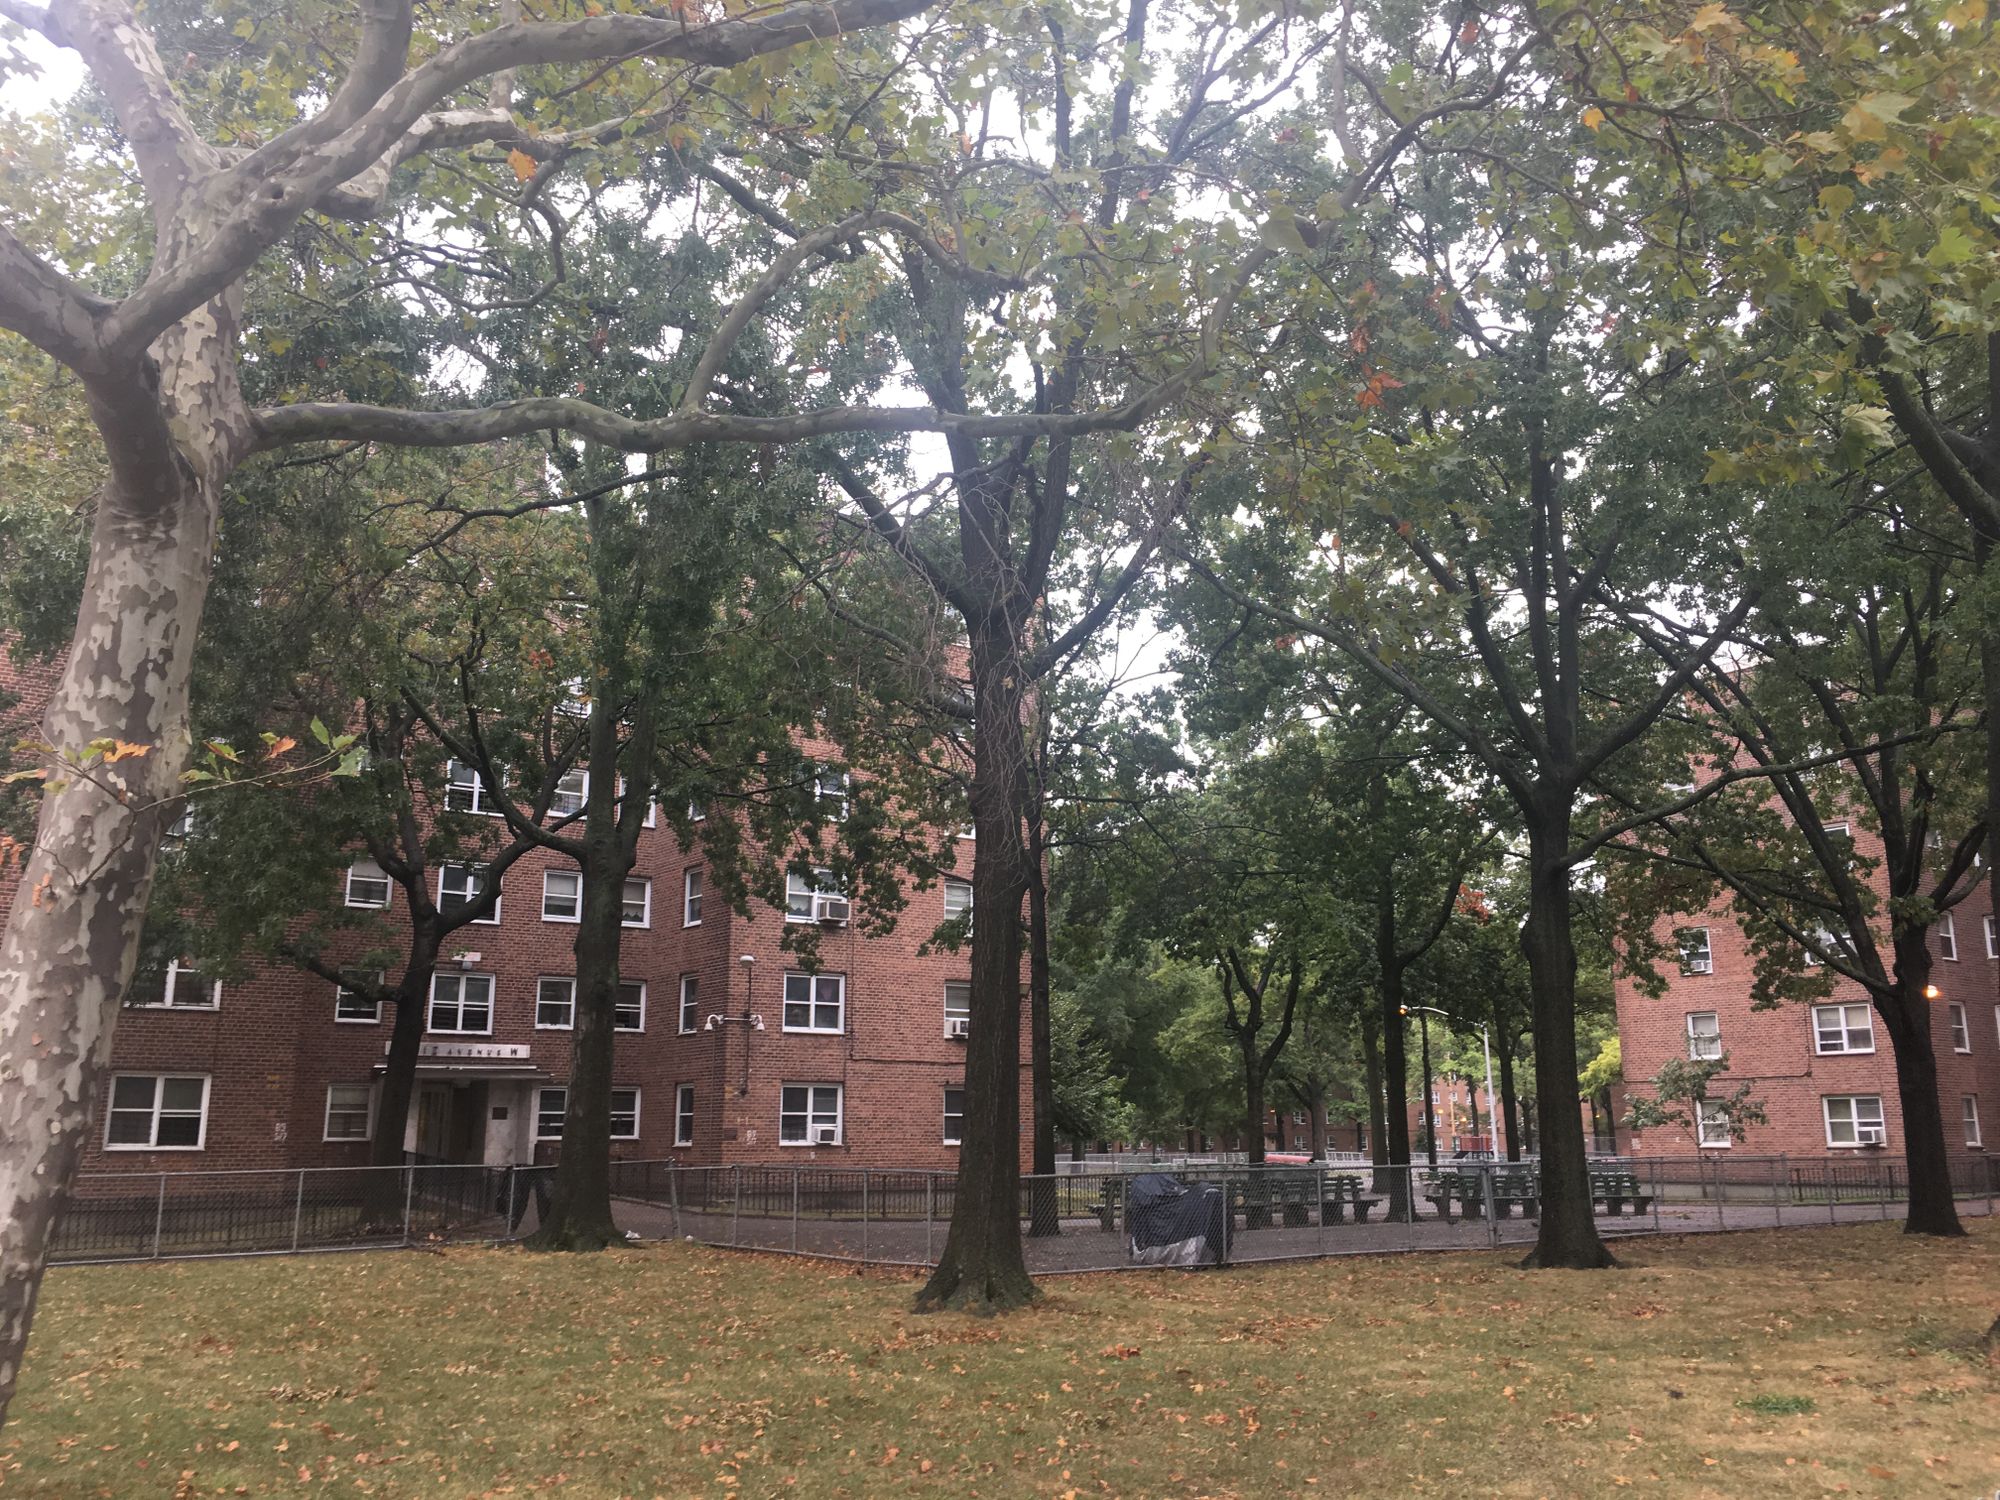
<point x="1073" y="1221"/>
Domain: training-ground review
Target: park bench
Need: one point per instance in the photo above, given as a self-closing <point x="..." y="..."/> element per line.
<point x="1340" y="1191"/>
<point x="1466" y="1187"/>
<point x="1293" y="1194"/>
<point x="1516" y="1187"/>
<point x="1613" y="1190"/>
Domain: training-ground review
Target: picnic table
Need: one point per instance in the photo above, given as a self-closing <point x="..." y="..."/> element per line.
<point x="1340" y="1191"/>
<point x="1613" y="1190"/>
<point x="1293" y="1194"/>
<point x="1469" y="1188"/>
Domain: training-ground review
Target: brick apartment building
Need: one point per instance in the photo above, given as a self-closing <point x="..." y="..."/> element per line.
<point x="727" y="1050"/>
<point x="1824" y="1072"/>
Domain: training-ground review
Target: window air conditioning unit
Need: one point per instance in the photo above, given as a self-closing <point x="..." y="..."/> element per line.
<point x="826" y="1135"/>
<point x="831" y="909"/>
<point x="1700" y="966"/>
<point x="958" y="1028"/>
<point x="1868" y="1135"/>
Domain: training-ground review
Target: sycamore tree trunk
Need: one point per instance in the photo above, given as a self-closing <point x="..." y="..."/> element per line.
<point x="1395" y="1071"/>
<point x="982" y="1268"/>
<point x="1371" y="1080"/>
<point x="411" y="998"/>
<point x="1906" y="1015"/>
<point x="1510" y="1108"/>
<point x="1043" y="1217"/>
<point x="579" y="1216"/>
<point x="1316" y="1118"/>
<point x="172" y="430"/>
<point x="1568" y="1233"/>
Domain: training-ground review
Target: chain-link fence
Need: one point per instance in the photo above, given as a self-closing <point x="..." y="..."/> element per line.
<point x="1189" y="1213"/>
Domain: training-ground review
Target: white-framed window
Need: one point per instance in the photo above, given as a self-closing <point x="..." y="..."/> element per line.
<point x="571" y="793"/>
<point x="815" y="898"/>
<point x="809" y="1114"/>
<point x="1992" y="938"/>
<point x="182" y="826"/>
<point x="458" y="887"/>
<point x="368" y="885"/>
<point x="691" y="899"/>
<point x="684" y="1115"/>
<point x="638" y="908"/>
<point x="958" y="1008"/>
<point x="156" y="1112"/>
<point x="575" y="700"/>
<point x="830" y="791"/>
<point x="1947" y="938"/>
<point x="954" y="1114"/>
<point x="958" y="900"/>
<point x="465" y="792"/>
<point x="1961" y="1032"/>
<point x="690" y="1003"/>
<point x="815" y="1002"/>
<point x="555" y="1003"/>
<point x="562" y="895"/>
<point x="1968" y="1105"/>
<point x="1712" y="1124"/>
<point x="462" y="1003"/>
<point x="628" y="1011"/>
<point x="552" y="1104"/>
<point x="1704" y="1029"/>
<point x="1843" y="1028"/>
<point x="178" y="986"/>
<point x="1854" y="1120"/>
<point x="353" y="1008"/>
<point x="967" y="831"/>
<point x="1692" y="943"/>
<point x="1996" y="1023"/>
<point x="350" y="1112"/>
<point x="697" y="809"/>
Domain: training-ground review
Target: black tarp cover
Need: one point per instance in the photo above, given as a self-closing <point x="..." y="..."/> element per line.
<point x="1174" y="1223"/>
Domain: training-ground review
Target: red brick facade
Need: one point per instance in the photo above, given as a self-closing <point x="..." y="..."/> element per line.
<point x="1795" y="1065"/>
<point x="272" y="1050"/>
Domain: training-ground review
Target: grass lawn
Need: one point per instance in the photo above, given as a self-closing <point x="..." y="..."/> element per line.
<point x="1772" y="1364"/>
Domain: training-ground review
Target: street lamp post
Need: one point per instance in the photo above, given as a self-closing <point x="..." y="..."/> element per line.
<point x="1485" y="1047"/>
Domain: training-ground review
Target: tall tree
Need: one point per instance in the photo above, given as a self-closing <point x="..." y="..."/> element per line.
<point x="1853" y="695"/>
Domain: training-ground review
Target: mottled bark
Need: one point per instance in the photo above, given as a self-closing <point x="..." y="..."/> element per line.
<point x="982" y="1268"/>
<point x="1567" y="1236"/>
<point x="1906" y="1014"/>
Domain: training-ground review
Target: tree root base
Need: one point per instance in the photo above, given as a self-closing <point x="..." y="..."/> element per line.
<point x="1599" y="1259"/>
<point x="978" y="1296"/>
<point x="573" y="1239"/>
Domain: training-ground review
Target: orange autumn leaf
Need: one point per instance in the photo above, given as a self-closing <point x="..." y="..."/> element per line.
<point x="279" y="746"/>
<point x="125" y="750"/>
<point x="522" y="163"/>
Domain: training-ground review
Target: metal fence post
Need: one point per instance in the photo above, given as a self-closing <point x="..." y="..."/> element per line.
<point x="736" y="1202"/>
<point x="1881" y="1190"/>
<point x="298" y="1210"/>
<point x="864" y="1216"/>
<point x="1655" y="1174"/>
<point x="160" y="1216"/>
<point x="511" y="1177"/>
<point x="1721" y="1193"/>
<point x="409" y="1192"/>
<point x="1492" y="1207"/>
<point x="930" y="1211"/>
<point x="1777" y="1181"/>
